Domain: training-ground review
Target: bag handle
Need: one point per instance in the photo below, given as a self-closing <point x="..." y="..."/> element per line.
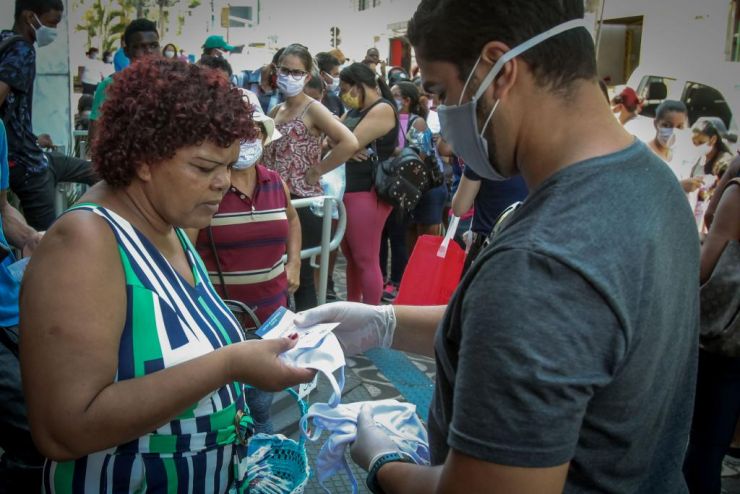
<point x="218" y="262"/>
<point x="451" y="229"/>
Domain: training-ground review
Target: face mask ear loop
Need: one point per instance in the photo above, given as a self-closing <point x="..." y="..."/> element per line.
<point x="490" y="116"/>
<point x="470" y="76"/>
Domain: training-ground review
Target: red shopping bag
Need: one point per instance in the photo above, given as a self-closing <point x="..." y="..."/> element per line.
<point x="433" y="271"/>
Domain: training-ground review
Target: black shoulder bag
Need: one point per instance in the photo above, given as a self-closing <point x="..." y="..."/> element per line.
<point x="246" y="317"/>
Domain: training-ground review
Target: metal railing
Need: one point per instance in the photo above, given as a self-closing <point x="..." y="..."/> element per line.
<point x="328" y="244"/>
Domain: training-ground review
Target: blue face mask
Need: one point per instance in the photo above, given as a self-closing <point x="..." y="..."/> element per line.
<point x="459" y="124"/>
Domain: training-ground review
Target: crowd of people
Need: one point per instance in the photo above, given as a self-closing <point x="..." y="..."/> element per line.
<point x="566" y="360"/>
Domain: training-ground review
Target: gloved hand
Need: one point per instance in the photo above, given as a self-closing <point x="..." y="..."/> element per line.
<point x="362" y="326"/>
<point x="371" y="442"/>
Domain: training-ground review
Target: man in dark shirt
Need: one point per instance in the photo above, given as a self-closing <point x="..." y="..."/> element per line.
<point x="33" y="173"/>
<point x="566" y="360"/>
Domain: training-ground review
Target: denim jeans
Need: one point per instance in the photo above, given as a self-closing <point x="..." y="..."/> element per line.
<point x="37" y="191"/>
<point x="259" y="403"/>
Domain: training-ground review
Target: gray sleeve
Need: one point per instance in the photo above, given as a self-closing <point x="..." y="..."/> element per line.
<point x="537" y="340"/>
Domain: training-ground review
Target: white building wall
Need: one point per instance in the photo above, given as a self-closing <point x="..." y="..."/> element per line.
<point x="678" y="31"/>
<point x="51" y="99"/>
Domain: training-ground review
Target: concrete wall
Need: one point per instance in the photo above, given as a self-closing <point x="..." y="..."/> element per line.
<point x="51" y="99"/>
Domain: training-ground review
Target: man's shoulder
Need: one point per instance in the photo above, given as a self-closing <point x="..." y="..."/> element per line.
<point x="17" y="47"/>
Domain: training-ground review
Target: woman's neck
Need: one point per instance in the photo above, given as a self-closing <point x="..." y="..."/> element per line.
<point x="144" y="213"/>
<point x="371" y="96"/>
<point x="660" y="150"/>
<point x="245" y="180"/>
<point x="296" y="101"/>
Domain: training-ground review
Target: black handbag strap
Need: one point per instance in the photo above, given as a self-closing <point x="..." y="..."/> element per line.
<point x="218" y="261"/>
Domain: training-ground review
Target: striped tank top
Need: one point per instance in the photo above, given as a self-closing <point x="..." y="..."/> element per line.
<point x="168" y="322"/>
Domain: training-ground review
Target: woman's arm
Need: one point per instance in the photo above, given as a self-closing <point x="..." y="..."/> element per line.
<point x="380" y="120"/>
<point x="73" y="310"/>
<point x="465" y="196"/>
<point x="732" y="172"/>
<point x="293" y="245"/>
<point x="344" y="142"/>
<point x="724" y="229"/>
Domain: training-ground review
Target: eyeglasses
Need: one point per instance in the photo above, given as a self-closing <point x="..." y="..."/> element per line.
<point x="296" y="74"/>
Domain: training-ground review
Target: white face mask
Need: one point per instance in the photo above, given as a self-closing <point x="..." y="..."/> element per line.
<point x="169" y="54"/>
<point x="460" y="123"/>
<point x="666" y="136"/>
<point x="45" y="35"/>
<point x="289" y="86"/>
<point x="334" y="86"/>
<point x="249" y="154"/>
<point x="704" y="149"/>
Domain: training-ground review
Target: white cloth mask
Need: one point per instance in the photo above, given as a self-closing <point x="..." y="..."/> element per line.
<point x="704" y="149"/>
<point x="460" y="124"/>
<point x="289" y="86"/>
<point x="334" y="86"/>
<point x="317" y="348"/>
<point x="398" y="419"/>
<point x="250" y="153"/>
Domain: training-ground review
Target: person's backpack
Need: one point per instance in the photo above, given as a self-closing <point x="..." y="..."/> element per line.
<point x="401" y="180"/>
<point x="436" y="177"/>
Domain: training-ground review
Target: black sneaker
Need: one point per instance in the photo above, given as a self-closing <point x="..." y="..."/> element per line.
<point x="331" y="295"/>
<point x="390" y="292"/>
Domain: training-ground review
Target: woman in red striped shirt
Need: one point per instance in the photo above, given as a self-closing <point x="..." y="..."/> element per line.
<point x="243" y="248"/>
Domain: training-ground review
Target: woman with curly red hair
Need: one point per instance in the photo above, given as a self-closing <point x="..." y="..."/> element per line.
<point x="132" y="365"/>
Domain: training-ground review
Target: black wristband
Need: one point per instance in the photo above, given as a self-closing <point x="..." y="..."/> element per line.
<point x="372" y="474"/>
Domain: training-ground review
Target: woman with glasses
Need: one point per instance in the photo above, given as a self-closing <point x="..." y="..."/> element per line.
<point x="298" y="158"/>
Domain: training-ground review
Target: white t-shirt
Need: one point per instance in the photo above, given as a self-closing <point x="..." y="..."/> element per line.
<point x="433" y="122"/>
<point x="92" y="71"/>
<point x="641" y="127"/>
<point x="686" y="162"/>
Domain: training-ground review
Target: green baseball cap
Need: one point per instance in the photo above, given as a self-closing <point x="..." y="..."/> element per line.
<point x="219" y="42"/>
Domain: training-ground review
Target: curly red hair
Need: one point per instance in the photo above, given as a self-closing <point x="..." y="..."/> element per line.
<point x="156" y="107"/>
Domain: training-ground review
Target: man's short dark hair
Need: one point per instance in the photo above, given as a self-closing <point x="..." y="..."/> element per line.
<point x="668" y="106"/>
<point x="218" y="63"/>
<point x="326" y="62"/>
<point x="315" y="82"/>
<point x="456" y="31"/>
<point x="138" y="26"/>
<point x="38" y="7"/>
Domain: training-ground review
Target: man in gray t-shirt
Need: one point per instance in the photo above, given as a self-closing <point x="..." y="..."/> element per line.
<point x="573" y="336"/>
<point x="566" y="359"/>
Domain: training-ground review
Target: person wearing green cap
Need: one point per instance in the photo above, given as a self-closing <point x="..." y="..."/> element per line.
<point x="215" y="46"/>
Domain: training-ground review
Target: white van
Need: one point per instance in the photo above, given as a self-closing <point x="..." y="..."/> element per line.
<point x="707" y="92"/>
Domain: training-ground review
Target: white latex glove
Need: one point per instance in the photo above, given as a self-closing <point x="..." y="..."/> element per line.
<point x="372" y="441"/>
<point x="362" y="326"/>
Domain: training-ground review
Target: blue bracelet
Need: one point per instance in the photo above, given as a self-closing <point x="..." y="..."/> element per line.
<point x="372" y="474"/>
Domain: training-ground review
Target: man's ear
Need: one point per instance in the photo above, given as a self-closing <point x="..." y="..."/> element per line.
<point x="492" y="52"/>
